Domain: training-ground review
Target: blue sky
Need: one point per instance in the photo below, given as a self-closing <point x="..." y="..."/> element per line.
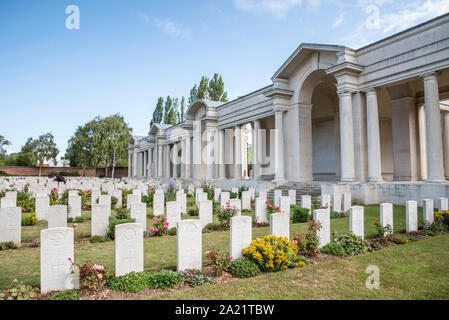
<point x="128" y="53"/>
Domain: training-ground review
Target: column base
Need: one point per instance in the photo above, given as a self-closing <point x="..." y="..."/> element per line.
<point x="436" y="180"/>
<point x="346" y="180"/>
<point x="375" y="180"/>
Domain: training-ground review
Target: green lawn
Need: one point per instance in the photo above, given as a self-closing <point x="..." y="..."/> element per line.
<point x="160" y="253"/>
<point x="414" y="271"/>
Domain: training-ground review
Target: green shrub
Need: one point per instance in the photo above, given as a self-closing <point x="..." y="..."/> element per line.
<point x="213" y="227"/>
<point x="429" y="233"/>
<point x="352" y="244"/>
<point x="194" y="278"/>
<point x="148" y="199"/>
<point x="131" y="282"/>
<point x="19" y="291"/>
<point x="243" y="268"/>
<point x="29" y="219"/>
<point x="66" y="295"/>
<point x="114" y="202"/>
<point x="7" y="245"/>
<point x="79" y="219"/>
<point x="193" y="212"/>
<point x="335" y="215"/>
<point x="164" y="279"/>
<point x="3" y="174"/>
<point x="299" y="215"/>
<point x="172" y="232"/>
<point x="97" y="239"/>
<point x="334" y="248"/>
<point x="400" y="239"/>
<point x="112" y="224"/>
<point x="233" y="195"/>
<point x="122" y="213"/>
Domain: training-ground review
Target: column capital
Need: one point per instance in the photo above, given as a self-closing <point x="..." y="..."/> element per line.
<point x="370" y="91"/>
<point x="430" y="76"/>
<point x="345" y="92"/>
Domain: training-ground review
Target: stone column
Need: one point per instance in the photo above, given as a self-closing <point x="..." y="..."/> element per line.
<point x="135" y="163"/>
<point x="292" y="143"/>
<point x="160" y="167"/>
<point x="305" y="143"/>
<point x="433" y="130"/>
<point x="130" y="159"/>
<point x="167" y="161"/>
<point x="220" y="154"/>
<point x="183" y="158"/>
<point x="422" y="141"/>
<point x="446" y="143"/>
<point x="373" y="134"/>
<point x="145" y="164"/>
<point x="238" y="153"/>
<point x="175" y="160"/>
<point x="210" y="152"/>
<point x="188" y="163"/>
<point x="255" y="150"/>
<point x="346" y="137"/>
<point x="197" y="150"/>
<point x="279" y="146"/>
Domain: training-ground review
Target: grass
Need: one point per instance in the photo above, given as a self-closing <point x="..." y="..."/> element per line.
<point x="159" y="253"/>
<point x="409" y="271"/>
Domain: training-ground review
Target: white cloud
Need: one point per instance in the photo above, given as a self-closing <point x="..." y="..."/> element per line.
<point x="339" y="20"/>
<point x="171" y="28"/>
<point x="278" y="8"/>
<point x="143" y="17"/>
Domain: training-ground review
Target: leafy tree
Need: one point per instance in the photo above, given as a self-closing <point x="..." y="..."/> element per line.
<point x="3" y="143"/>
<point x="27" y="157"/>
<point x="158" y="112"/>
<point x="44" y="148"/>
<point x="100" y="143"/>
<point x="169" y="112"/>
<point x="182" y="111"/>
<point x="216" y="89"/>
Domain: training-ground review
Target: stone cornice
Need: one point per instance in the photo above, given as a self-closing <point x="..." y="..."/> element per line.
<point x="346" y="67"/>
<point x="279" y="93"/>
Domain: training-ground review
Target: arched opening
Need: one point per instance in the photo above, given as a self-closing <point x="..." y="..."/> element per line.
<point x="319" y="131"/>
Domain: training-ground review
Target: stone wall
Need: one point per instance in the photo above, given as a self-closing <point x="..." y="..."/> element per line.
<point x="89" y="172"/>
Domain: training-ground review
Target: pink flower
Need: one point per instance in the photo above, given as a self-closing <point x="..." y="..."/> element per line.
<point x="267" y="202"/>
<point x="165" y="218"/>
<point x="100" y="276"/>
<point x="295" y="242"/>
<point x="207" y="252"/>
<point x="75" y="225"/>
<point x="155" y="218"/>
<point x="155" y="230"/>
<point x="231" y="258"/>
<point x="56" y="201"/>
<point x="152" y="230"/>
<point x="70" y="260"/>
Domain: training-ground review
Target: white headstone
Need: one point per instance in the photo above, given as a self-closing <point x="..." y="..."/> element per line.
<point x="428" y="211"/>
<point x="235" y="190"/>
<point x="132" y="198"/>
<point x="181" y="198"/>
<point x="57" y="217"/>
<point x="326" y="201"/>
<point x="443" y="204"/>
<point x="357" y="221"/>
<point x="280" y="225"/>
<point x="11" y="225"/>
<point x="205" y="212"/>
<point x="224" y="198"/>
<point x="292" y="196"/>
<point x="189" y="245"/>
<point x="411" y="218"/>
<point x="241" y="235"/>
<point x="73" y="193"/>
<point x="74" y="202"/>
<point x="158" y="204"/>
<point x="105" y="199"/>
<point x="306" y="203"/>
<point x="100" y="219"/>
<point x="263" y="195"/>
<point x="139" y="213"/>
<point x="277" y="197"/>
<point x="95" y="195"/>
<point x="236" y="204"/>
<point x="261" y="211"/>
<point x="252" y="193"/>
<point x="6" y="202"/>
<point x="336" y="202"/>
<point x="128" y="248"/>
<point x="217" y="192"/>
<point x="386" y="215"/>
<point x="246" y="200"/>
<point x="285" y="205"/>
<point x="200" y="196"/>
<point x="347" y="202"/>
<point x="324" y="234"/>
<point x="173" y="213"/>
<point x="56" y="249"/>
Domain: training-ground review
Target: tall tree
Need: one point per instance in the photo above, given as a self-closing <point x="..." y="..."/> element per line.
<point x="216" y="89"/>
<point x="26" y="157"/>
<point x="193" y="94"/>
<point x="3" y="143"/>
<point x="45" y="149"/>
<point x="158" y="114"/>
<point x="80" y="146"/>
<point x="202" y="88"/>
<point x="182" y="111"/>
<point x="168" y="111"/>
